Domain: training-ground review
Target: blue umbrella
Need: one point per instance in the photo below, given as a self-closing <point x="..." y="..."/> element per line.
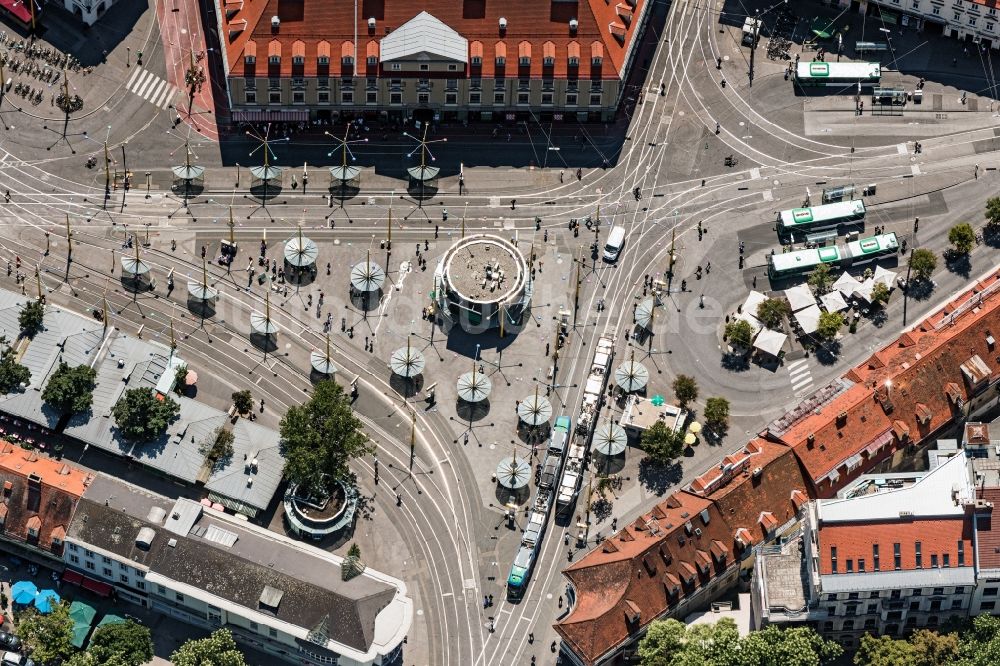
<point x="45" y="600"/>
<point x="23" y="592"/>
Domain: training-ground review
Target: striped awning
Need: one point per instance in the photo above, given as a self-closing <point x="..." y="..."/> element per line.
<point x="270" y="116"/>
<point x="239" y="507"/>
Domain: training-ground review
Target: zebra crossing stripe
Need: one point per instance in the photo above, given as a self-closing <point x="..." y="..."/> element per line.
<point x="151" y="88"/>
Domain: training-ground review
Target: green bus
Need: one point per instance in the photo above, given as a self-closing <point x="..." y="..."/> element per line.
<point x="790" y="264"/>
<point x="838" y="74"/>
<point x="802" y="221"/>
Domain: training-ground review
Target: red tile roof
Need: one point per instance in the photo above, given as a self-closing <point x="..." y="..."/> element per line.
<point x="40" y="494"/>
<point x="854" y="541"/>
<point x="988" y="530"/>
<point x="531" y="25"/>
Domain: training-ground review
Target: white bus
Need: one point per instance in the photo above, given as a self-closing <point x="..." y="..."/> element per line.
<point x="839" y="74"/>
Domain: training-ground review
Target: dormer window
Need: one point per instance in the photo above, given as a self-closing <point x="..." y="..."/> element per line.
<point x="596" y="62"/>
<point x="324" y="60"/>
<point x="250" y="60"/>
<point x="298" y="60"/>
<point x="477" y="60"/>
<point x="501" y="60"/>
<point x="274" y="60"/>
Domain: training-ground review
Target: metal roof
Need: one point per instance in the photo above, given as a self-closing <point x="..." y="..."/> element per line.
<point x="229" y="481"/>
<point x="887" y="580"/>
<point x="424" y="34"/>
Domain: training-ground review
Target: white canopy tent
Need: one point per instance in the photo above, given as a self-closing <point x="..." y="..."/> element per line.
<point x="800" y="297"/>
<point x="864" y="290"/>
<point x="808" y="319"/>
<point x="884" y="276"/>
<point x="610" y="439"/>
<point x="754" y="299"/>
<point x="833" y="302"/>
<point x="535" y="409"/>
<point x="846" y="284"/>
<point x="770" y="342"/>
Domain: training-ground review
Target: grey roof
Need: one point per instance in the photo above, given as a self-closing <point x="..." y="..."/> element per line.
<point x="230" y="480"/>
<point x="424" y="34"/>
<point x="58" y="327"/>
<point x="177" y="452"/>
<point x="313" y="594"/>
<point x="10" y="309"/>
<point x="887" y="580"/>
<point x="28" y="405"/>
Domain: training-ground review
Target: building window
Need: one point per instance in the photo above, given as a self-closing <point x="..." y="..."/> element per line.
<point x="972" y="20"/>
<point x="946" y="559"/>
<point x="347" y="96"/>
<point x="214" y="618"/>
<point x="250" y="96"/>
<point x="298" y="97"/>
<point x="423" y="98"/>
<point x="161" y="590"/>
<point x="324" y="60"/>
<point x="989" y="26"/>
<point x="108" y="573"/>
<point x="570" y="99"/>
<point x="372" y="61"/>
<point x="961" y="553"/>
<point x="254" y="626"/>
<point x="395" y="83"/>
<point x="934" y="561"/>
<point x="274" y="60"/>
<point x="371" y="97"/>
<point x="73" y="547"/>
<point x="498" y="98"/>
<point x="870" y="624"/>
<point x="423" y="83"/>
<point x="123" y="578"/>
<point x="524" y="62"/>
<point x="958" y="17"/>
<point x="848" y="625"/>
<point x="894" y="594"/>
<point x="476" y="60"/>
<point x="323" y="96"/>
<point x="274" y="97"/>
<point x="298" y="82"/>
<point x="595" y="100"/>
<point x="179" y="597"/>
<point x="938" y="590"/>
<point x="371" y="83"/>
<point x="850" y="565"/>
<point x="861" y="565"/>
<point x="141" y="584"/>
<point x="298" y="60"/>
<point x="452" y="67"/>
<point x="916" y="4"/>
<point x="833" y="558"/>
<point x="956" y="604"/>
<point x="105" y="559"/>
<point x="74" y="559"/>
<point x="123" y="566"/>
<point x="451" y="98"/>
<point x="249" y="60"/>
<point x="873" y="595"/>
<point x="522" y="98"/>
<point x="987" y="605"/>
<point x="90" y="565"/>
<point x="451" y="84"/>
<point x="394" y="66"/>
<point x="524" y="84"/>
<point x="920" y="557"/>
<point x="395" y="98"/>
<point x="897" y="557"/>
<point x="475" y="98"/>
<point x="990" y="592"/>
<point x="959" y="590"/>
<point x="547" y="99"/>
<point x="272" y="632"/>
<point x="475" y="84"/>
<point x="501" y="61"/>
<point x="424" y="67"/>
<point x="875" y="556"/>
<point x="872" y="609"/>
<point x="499" y="84"/>
<point x="596" y="62"/>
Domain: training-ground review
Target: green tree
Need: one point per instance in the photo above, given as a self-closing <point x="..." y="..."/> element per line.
<point x="218" y="649"/>
<point x="219" y="445"/>
<point x="128" y="643"/>
<point x="820" y="278"/>
<point x="883" y="651"/>
<point x="31" y="317"/>
<point x="319" y="438"/>
<point x="993" y="213"/>
<point x="962" y="238"/>
<point x="829" y="324"/>
<point x="243" y="401"/>
<point x="773" y="311"/>
<point x="48" y="637"/>
<point x="352" y="566"/>
<point x="661" y="443"/>
<point x="70" y="389"/>
<point x="931" y="648"/>
<point x="664" y="640"/>
<point x="716" y="413"/>
<point x="880" y="294"/>
<point x="923" y="262"/>
<point x="180" y="378"/>
<point x="12" y="373"/>
<point x="141" y="416"/>
<point x="685" y="388"/>
<point x="795" y="646"/>
<point x="739" y="333"/>
<point x="980" y="644"/>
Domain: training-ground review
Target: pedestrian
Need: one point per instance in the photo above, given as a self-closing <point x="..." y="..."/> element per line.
<point x="436" y="228"/>
<point x="486" y="601"/>
<point x="531" y="637"/>
<point x="562" y="172"/>
<point x="491" y="600"/>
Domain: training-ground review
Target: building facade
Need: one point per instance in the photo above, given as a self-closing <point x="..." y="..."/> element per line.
<point x="468" y="60"/>
<point x="973" y="21"/>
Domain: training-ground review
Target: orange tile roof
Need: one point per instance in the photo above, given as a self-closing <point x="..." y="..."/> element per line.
<point x="599" y="24"/>
<point x="988" y="530"/>
<point x="854" y="541"/>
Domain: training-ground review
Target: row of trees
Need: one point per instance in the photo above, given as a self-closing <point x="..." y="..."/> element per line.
<point x="662" y="444"/>
<point x="672" y="643"/>
<point x="48" y="638"/>
<point x="975" y="643"/>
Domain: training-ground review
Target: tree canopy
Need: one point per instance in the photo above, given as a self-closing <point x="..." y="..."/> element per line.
<point x="993" y="212"/>
<point x="127" y="643"/>
<point x="12" y="373"/>
<point x="141" y="416"/>
<point x="923" y="263"/>
<point x="31" y="317"/>
<point x="320" y="438"/>
<point x="828" y="325"/>
<point x="739" y="333"/>
<point x="661" y="442"/>
<point x="880" y="293"/>
<point x="716" y="413"/>
<point x="773" y="311"/>
<point x="672" y="643"/>
<point x="243" y="401"/>
<point x="218" y="649"/>
<point x="820" y="278"/>
<point x="48" y="637"/>
<point x="685" y="388"/>
<point x="962" y="238"/>
<point x="71" y="389"/>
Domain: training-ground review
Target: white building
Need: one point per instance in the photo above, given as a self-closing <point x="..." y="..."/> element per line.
<point x="211" y="570"/>
<point x="970" y="20"/>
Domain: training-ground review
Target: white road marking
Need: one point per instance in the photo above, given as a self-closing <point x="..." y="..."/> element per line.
<point x="151" y="88"/>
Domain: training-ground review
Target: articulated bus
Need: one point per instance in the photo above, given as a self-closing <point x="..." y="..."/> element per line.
<point x="854" y="253"/>
<point x="838" y="74"/>
<point x="803" y="221"/>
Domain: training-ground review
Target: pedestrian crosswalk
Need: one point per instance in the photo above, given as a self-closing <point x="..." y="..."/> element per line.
<point x="799" y="375"/>
<point x="151" y="88"/>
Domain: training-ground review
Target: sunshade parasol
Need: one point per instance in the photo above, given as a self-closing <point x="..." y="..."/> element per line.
<point x="266" y="172"/>
<point x="474" y="386"/>
<point x="23" y="592"/>
<point x="188" y="171"/>
<point x="423" y="173"/>
<point x="631" y="376"/>
<point x="301" y="251"/>
<point x="407" y="361"/>
<point x="46" y="600"/>
<point x="695" y="427"/>
<point x="513" y="472"/>
<point x="644" y="313"/>
<point x="261" y="324"/>
<point x="610" y="439"/>
<point x="535" y="409"/>
<point x="200" y="291"/>
<point x="367" y="276"/>
<point x="657" y="400"/>
<point x="322" y="364"/>
<point x="134" y="266"/>
<point x="344" y="173"/>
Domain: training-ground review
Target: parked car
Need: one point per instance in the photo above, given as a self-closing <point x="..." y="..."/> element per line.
<point x="14" y="659"/>
<point x="9" y="641"/>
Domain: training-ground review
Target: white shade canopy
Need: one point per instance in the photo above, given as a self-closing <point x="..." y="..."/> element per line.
<point x="846" y="284"/>
<point x="770" y="341"/>
<point x="644" y="313"/>
<point x="301" y="251"/>
<point x="188" y="171"/>
<point x="535" y="409"/>
<point x="799" y="297"/>
<point x="833" y="302"/>
<point x="201" y="291"/>
<point x="754" y="298"/>
<point x="344" y="173"/>
<point x="267" y="172"/>
<point x="631" y="376"/>
<point x="865" y="289"/>
<point x="610" y="439"/>
<point x="261" y="324"/>
<point x="407" y="361"/>
<point x="134" y="266"/>
<point x="513" y="472"/>
<point x="884" y="276"/>
<point x="474" y="387"/>
<point x="367" y="276"/>
<point x="808" y="319"/>
<point x="423" y="173"/>
<point x="322" y="363"/>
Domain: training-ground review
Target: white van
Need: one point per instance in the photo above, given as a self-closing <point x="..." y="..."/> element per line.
<point x="616" y="239"/>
